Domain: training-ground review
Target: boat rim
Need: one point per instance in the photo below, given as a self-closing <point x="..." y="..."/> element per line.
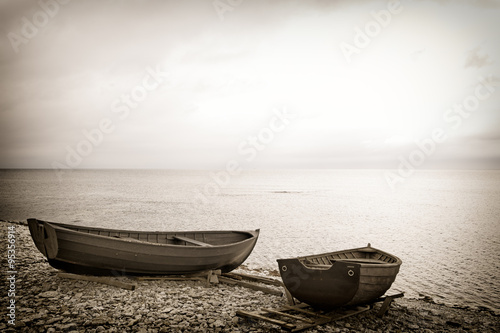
<point x="397" y="263"/>
<point x="67" y="228"/>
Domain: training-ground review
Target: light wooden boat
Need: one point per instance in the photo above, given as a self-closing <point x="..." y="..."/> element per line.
<point x="100" y="251"/>
<point x="348" y="277"/>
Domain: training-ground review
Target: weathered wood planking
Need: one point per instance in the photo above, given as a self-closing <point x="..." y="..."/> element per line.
<point x="101" y="251"/>
<point x="348" y="277"/>
<point x="311" y="318"/>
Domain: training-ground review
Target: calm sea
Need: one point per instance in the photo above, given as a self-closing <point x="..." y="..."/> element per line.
<point x="444" y="225"/>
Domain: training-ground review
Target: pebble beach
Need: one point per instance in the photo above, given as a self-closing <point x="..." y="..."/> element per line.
<point x="46" y="302"/>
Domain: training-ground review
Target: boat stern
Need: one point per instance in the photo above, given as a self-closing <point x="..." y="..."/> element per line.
<point x="322" y="286"/>
<point x="44" y="236"/>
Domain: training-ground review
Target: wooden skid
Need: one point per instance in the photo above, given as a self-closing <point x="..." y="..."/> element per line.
<point x="257" y="315"/>
<point x="387" y="303"/>
<point x="255" y="278"/>
<point x="215" y="276"/>
<point x="193" y="276"/>
<point x="304" y="319"/>
<point x="250" y="286"/>
<point x="99" y="279"/>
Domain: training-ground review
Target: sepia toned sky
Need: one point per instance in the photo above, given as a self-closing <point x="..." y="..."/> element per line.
<point x="281" y="84"/>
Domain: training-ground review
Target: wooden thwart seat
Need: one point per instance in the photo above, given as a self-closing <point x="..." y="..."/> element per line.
<point x="192" y="241"/>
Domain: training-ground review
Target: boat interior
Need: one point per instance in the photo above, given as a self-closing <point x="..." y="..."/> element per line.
<point x="202" y="239"/>
<point x="359" y="256"/>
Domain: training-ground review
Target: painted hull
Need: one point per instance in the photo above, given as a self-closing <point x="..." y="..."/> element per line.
<point x="100" y="251"/>
<point x="348" y="277"/>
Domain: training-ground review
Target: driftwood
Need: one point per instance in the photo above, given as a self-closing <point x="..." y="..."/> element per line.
<point x="99" y="279"/>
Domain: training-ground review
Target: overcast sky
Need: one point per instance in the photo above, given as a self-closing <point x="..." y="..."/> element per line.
<point x="269" y="84"/>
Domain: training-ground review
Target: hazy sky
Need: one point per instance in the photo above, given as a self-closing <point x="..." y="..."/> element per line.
<point x="303" y="84"/>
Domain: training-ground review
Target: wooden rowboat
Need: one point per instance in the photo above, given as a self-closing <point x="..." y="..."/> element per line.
<point x="348" y="277"/>
<point x="89" y="250"/>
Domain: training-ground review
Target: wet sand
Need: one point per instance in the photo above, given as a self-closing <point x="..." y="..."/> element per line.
<point x="45" y="302"/>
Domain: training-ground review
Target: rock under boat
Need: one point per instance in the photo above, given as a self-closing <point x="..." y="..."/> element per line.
<point x="347" y="277"/>
<point x="89" y="250"/>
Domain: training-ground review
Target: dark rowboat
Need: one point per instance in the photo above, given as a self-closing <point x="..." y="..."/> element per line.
<point x="90" y="250"/>
<point x="348" y="277"/>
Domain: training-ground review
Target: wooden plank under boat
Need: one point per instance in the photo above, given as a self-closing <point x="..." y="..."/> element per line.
<point x="89" y="250"/>
<point x="348" y="277"/>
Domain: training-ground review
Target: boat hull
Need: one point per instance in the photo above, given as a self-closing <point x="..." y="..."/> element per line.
<point x="342" y="278"/>
<point x="119" y="252"/>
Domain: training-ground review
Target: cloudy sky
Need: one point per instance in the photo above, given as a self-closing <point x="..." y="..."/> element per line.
<point x="269" y="84"/>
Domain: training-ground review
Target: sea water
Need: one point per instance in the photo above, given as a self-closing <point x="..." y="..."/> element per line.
<point x="444" y="225"/>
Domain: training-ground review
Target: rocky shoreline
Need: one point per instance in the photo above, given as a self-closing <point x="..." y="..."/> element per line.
<point x="45" y="302"/>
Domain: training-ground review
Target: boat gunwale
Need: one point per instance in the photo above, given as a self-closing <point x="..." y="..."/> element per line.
<point x="397" y="263"/>
<point x="68" y="228"/>
<point x="363" y="265"/>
